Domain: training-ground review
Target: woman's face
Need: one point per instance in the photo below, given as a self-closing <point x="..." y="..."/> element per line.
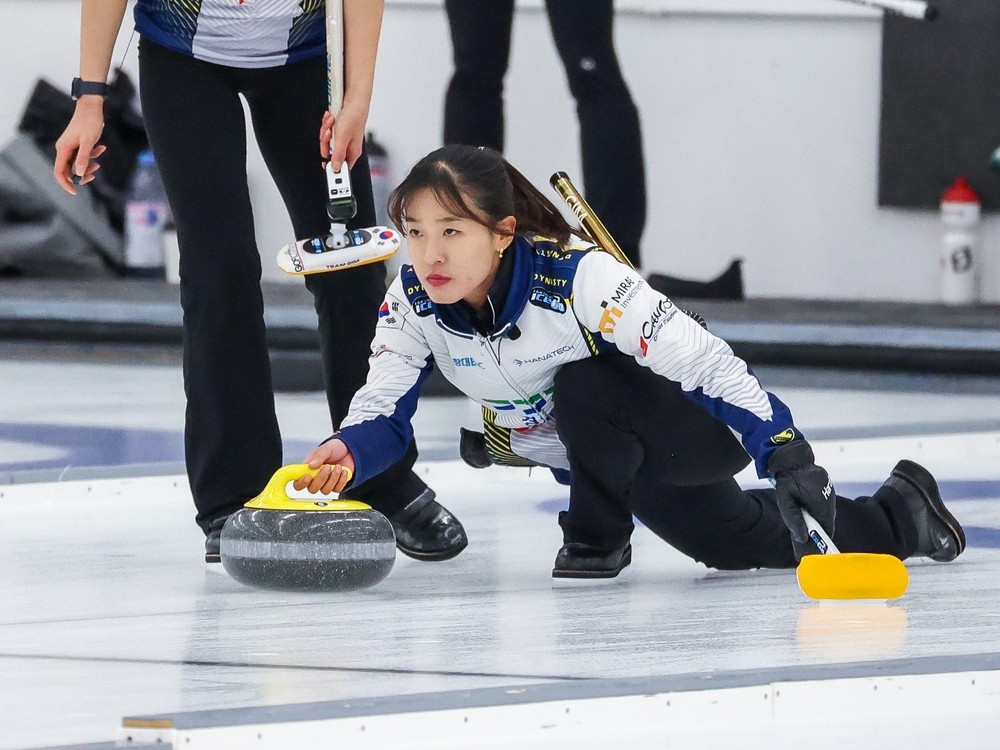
<point x="455" y="258"/>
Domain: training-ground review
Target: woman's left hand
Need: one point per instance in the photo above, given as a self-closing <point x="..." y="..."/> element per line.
<point x="800" y="483"/>
<point x="342" y="138"/>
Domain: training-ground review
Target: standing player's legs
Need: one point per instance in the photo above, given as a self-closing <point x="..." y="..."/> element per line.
<point x="610" y="137"/>
<point x="473" y="105"/>
<point x="286" y="105"/>
<point x="196" y="127"/>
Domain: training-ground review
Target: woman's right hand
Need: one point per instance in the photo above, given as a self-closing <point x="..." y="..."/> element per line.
<point x="78" y="146"/>
<point x="342" y="138"/>
<point x="330" y="459"/>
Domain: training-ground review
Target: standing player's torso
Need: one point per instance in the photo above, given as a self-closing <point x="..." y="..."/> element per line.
<point x="237" y="33"/>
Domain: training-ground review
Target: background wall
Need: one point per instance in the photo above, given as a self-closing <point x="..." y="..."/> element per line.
<point x="760" y="120"/>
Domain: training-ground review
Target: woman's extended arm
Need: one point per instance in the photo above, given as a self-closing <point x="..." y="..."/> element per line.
<point x="377" y="430"/>
<point x="100" y="23"/>
<point x="614" y="301"/>
<point x="362" y="25"/>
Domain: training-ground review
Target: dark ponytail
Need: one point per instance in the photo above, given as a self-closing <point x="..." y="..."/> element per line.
<point x="479" y="184"/>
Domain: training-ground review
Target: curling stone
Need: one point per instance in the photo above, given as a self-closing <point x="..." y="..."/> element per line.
<point x="280" y="543"/>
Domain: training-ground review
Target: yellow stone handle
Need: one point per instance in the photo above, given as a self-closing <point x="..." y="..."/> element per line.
<point x="275" y="494"/>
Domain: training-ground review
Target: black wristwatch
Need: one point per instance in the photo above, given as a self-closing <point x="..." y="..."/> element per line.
<point x="82" y="88"/>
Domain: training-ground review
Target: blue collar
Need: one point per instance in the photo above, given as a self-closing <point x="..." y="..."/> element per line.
<point x="508" y="296"/>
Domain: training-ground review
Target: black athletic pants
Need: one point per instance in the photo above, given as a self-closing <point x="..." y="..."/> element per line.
<point x="638" y="446"/>
<point x="196" y="127"/>
<point x="610" y="138"/>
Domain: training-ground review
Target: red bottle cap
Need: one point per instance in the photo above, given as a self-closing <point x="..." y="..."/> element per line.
<point x="960" y="192"/>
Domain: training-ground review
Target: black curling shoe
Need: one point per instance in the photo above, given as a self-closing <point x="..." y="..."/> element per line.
<point x="213" y="540"/>
<point x="939" y="534"/>
<point x="426" y="530"/>
<point x="579" y="560"/>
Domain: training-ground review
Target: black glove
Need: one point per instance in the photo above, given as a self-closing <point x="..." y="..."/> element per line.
<point x="472" y="449"/>
<point x="800" y="483"/>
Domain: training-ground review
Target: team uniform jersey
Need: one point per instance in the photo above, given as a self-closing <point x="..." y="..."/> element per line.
<point x="236" y="33"/>
<point x="563" y="304"/>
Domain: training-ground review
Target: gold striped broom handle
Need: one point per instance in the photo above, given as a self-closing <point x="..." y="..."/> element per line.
<point x="562" y="184"/>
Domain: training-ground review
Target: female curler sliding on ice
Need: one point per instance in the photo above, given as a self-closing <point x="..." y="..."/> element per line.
<point x="583" y="368"/>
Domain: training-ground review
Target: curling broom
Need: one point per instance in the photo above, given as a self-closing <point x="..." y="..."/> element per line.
<point x="343" y="247"/>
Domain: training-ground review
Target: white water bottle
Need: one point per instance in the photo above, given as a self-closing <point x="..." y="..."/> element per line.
<point x="146" y="217"/>
<point x="960" y="216"/>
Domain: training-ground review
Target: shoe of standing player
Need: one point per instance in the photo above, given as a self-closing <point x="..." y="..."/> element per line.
<point x="213" y="540"/>
<point x="426" y="530"/>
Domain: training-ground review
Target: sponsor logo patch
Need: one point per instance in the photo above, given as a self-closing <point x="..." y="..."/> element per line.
<point x="551" y="251"/>
<point x="785" y="436"/>
<point x="662" y="315"/>
<point x="609" y="319"/>
<point x="550" y="281"/>
<point x="423" y="306"/>
<point x="543" y="357"/>
<point x="625" y="291"/>
<point x="532" y="409"/>
<point x="547" y="300"/>
<point x="467" y="362"/>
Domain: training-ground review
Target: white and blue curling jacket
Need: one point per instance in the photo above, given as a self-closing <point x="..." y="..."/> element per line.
<point x="236" y="33"/>
<point x="562" y="304"/>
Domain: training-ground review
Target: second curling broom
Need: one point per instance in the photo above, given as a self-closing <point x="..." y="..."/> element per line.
<point x="342" y="248"/>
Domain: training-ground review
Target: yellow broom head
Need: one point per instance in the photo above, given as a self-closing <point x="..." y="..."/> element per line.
<point x="852" y="575"/>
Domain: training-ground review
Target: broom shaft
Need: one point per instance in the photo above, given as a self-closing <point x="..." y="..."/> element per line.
<point x="562" y="184"/>
<point x="819" y="537"/>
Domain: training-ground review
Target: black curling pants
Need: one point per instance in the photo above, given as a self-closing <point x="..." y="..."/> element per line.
<point x="196" y="128"/>
<point x="639" y="447"/>
<point x="610" y="138"/>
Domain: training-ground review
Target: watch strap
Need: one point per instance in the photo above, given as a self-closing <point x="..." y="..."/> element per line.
<point x="83" y="88"/>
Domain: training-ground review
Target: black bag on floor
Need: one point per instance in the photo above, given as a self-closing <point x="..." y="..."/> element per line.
<point x="44" y="231"/>
<point x="727" y="285"/>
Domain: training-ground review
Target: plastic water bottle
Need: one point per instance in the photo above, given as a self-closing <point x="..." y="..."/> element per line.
<point x="146" y="216"/>
<point x="960" y="216"/>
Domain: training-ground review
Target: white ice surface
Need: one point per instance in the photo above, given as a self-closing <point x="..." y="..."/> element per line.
<point x="106" y="609"/>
